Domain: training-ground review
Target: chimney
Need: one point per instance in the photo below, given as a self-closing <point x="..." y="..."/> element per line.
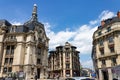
<point x="102" y="23"/>
<point x="118" y="14"/>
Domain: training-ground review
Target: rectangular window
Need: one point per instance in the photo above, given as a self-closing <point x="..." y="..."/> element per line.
<point x="67" y="66"/>
<point x="99" y="33"/>
<point x="8" y="50"/>
<point x="114" y="60"/>
<point x="110" y="39"/>
<point x="9" y="69"/>
<point x="11" y="61"/>
<point x="101" y="42"/>
<point x="38" y="61"/>
<point x="103" y="62"/>
<point x="4" y="69"/>
<point x="6" y="61"/>
<point x="108" y="29"/>
<point x="39" y="51"/>
<point x="102" y="51"/>
<point x="111" y="49"/>
<point x="12" y="49"/>
<point x="67" y="54"/>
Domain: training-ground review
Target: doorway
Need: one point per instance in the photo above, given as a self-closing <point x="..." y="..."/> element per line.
<point x="38" y="73"/>
<point x="105" y="74"/>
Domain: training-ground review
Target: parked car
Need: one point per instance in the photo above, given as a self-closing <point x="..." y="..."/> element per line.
<point x="82" y="78"/>
<point x="69" y="79"/>
<point x="88" y="79"/>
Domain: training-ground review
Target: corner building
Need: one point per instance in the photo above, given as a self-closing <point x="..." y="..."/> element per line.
<point x="106" y="48"/>
<point x="64" y="62"/>
<point x="24" y="48"/>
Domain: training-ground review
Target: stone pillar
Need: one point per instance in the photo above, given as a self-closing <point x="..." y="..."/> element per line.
<point x="1" y="55"/>
<point x="71" y="71"/>
<point x="100" y="75"/>
<point x="110" y="75"/>
<point x="60" y="60"/>
<point x="64" y="73"/>
<point x="28" y="61"/>
<point x="3" y="59"/>
<point x="44" y="71"/>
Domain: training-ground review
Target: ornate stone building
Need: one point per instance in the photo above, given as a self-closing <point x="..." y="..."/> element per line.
<point x="64" y="62"/>
<point x="106" y="48"/>
<point x="24" y="48"/>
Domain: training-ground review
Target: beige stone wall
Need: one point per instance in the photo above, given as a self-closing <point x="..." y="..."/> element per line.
<point x="107" y="54"/>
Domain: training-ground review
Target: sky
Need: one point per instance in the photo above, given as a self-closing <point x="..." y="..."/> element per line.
<point x="72" y="21"/>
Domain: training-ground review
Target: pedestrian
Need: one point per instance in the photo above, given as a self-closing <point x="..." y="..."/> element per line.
<point x="35" y="76"/>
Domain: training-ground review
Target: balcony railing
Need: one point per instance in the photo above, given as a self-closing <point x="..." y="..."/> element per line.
<point x="8" y="39"/>
<point x="106" y="33"/>
<point x="113" y="64"/>
<point x="101" y="46"/>
<point x="107" y="55"/>
<point x="103" y="66"/>
<point x="110" y="43"/>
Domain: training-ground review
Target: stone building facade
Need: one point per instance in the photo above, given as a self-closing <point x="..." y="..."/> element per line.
<point x="106" y="48"/>
<point x="24" y="48"/>
<point x="64" y="62"/>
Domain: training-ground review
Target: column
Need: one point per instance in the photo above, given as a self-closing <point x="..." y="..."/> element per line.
<point x="27" y="61"/>
<point x="71" y="70"/>
<point x="64" y="72"/>
<point x="2" y="63"/>
<point x="110" y="75"/>
<point x="100" y="75"/>
<point x="1" y="55"/>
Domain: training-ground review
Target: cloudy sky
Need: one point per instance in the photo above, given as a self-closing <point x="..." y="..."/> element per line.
<point x="65" y="20"/>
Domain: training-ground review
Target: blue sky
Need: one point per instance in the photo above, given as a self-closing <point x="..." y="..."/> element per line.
<point x="64" y="20"/>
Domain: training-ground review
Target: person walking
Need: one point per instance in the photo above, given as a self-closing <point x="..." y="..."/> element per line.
<point x="35" y="76"/>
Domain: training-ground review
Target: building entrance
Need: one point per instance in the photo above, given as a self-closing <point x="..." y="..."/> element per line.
<point x="105" y="74"/>
<point x="38" y="73"/>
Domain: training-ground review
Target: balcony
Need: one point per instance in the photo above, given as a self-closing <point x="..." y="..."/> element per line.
<point x="40" y="42"/>
<point x="101" y="46"/>
<point x="9" y="55"/>
<point x="110" y="43"/>
<point x="107" y="33"/>
<point x="107" y="55"/>
<point x="10" y="40"/>
<point x="103" y="66"/>
<point x="113" y="64"/>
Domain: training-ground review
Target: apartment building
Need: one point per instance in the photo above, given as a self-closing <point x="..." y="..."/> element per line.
<point x="106" y="48"/>
<point x="64" y="62"/>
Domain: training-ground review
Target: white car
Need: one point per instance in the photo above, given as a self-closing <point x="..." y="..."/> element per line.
<point x="82" y="78"/>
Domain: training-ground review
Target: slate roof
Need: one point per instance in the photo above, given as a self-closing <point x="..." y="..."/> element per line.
<point x="109" y="21"/>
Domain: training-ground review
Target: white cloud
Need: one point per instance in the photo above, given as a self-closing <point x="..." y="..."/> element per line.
<point x="16" y="23"/>
<point x="81" y="37"/>
<point x="87" y="64"/>
<point x="105" y="15"/>
<point x="93" y="22"/>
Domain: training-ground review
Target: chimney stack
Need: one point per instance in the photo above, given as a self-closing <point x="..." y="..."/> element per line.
<point x="118" y="14"/>
<point x="102" y="23"/>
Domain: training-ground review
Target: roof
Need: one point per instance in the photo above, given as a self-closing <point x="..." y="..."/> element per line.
<point x="4" y="22"/>
<point x="109" y="21"/>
